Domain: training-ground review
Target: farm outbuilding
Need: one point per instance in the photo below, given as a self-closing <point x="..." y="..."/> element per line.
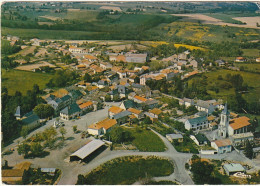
<point x="87" y="150"/>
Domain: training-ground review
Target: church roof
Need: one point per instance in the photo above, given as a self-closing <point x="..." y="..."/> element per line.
<point x="225" y="110"/>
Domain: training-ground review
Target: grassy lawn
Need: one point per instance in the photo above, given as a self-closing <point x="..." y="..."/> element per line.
<point x="250" y="67"/>
<point x="16" y="80"/>
<point x="252" y="79"/>
<point x="127" y="170"/>
<point x="146" y="140"/>
<point x="187" y="147"/>
<point x="251" y="52"/>
<point x="224" y="17"/>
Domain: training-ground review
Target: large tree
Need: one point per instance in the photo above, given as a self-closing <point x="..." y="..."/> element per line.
<point x="248" y="150"/>
<point x="44" y="110"/>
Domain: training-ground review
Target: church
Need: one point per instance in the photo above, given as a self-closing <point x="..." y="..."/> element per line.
<point x="229" y="127"/>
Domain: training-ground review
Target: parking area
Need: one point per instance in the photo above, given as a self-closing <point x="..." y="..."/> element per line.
<point x="59" y="156"/>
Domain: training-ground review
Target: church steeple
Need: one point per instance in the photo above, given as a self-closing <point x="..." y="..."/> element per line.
<point x="224" y="122"/>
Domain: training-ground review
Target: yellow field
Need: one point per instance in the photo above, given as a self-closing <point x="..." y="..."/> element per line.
<point x="190" y="47"/>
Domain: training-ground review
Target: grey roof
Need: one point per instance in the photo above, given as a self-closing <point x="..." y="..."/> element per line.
<point x="88" y="149"/>
<point x="18" y="112"/>
<point x="220" y="61"/>
<point x="201" y="138"/>
<point x="201" y="113"/>
<point x="71" y="109"/>
<point x="234" y="167"/>
<point x="225" y="110"/>
<point x="48" y="170"/>
<point x="151" y="101"/>
<point x="198" y="120"/>
<point x="65" y="98"/>
<point x="28" y="114"/>
<point x="174" y="136"/>
<point x="122" y="114"/>
<point x="75" y="94"/>
<point x="30" y="119"/>
<point x="135" y="85"/>
<point x="256" y="149"/>
<point x="203" y="104"/>
<point x="130" y="103"/>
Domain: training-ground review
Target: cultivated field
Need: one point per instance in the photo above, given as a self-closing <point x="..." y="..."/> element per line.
<point x="34" y="66"/>
<point x="211" y="20"/>
<point x="50" y="17"/>
<point x="16" y="80"/>
<point x="128" y="47"/>
<point x="27" y="50"/>
<point x="111" y="8"/>
<point x="250" y="21"/>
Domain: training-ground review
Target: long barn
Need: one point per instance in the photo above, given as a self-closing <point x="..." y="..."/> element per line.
<point x="87" y="150"/>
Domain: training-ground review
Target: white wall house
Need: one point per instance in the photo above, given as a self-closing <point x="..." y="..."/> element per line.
<point x="222" y="146"/>
<point x="197" y="123"/>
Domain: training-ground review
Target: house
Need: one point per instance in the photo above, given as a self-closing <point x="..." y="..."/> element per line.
<point x="96" y="69"/>
<point x="238" y="125"/>
<point x="197" y="123"/>
<point x="91" y="89"/>
<point x="241" y="139"/>
<point x="70" y="112"/>
<point x="168" y="73"/>
<point x="137" y="113"/>
<point x="257" y="59"/>
<point x="194" y="63"/>
<point x="186" y="102"/>
<point x="222" y="146"/>
<point x="74" y="49"/>
<point x="153" y="114"/>
<point x="129" y="104"/>
<point x="105" y="65"/>
<point x="139" y="99"/>
<point x="113" y="56"/>
<point x="114" y="110"/>
<point x="123" y="91"/>
<point x="101" y="127"/>
<point x="240" y="59"/>
<point x="220" y="62"/>
<point x="49" y="171"/>
<point x="14" y="176"/>
<point x="206" y="106"/>
<point x="151" y="103"/>
<point x="90" y="58"/>
<point x="135" y="58"/>
<point x="59" y="103"/>
<point x="31" y="121"/>
<point x="199" y="139"/>
<point x="86" y="107"/>
<point x="173" y="137"/>
<point x="120" y="58"/>
<point x="233" y="168"/>
<point x="121" y="117"/>
<point x="75" y="95"/>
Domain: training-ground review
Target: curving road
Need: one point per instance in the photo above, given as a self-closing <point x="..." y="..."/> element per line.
<point x="179" y="160"/>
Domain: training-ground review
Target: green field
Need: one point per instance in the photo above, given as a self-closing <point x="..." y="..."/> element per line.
<point x="129" y="169"/>
<point x="252" y="80"/>
<point x="146" y="140"/>
<point x="251" y="52"/>
<point x="16" y="80"/>
<point x="250" y="67"/>
<point x="227" y="18"/>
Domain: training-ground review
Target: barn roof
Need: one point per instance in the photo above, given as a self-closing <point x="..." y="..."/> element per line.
<point x="88" y="149"/>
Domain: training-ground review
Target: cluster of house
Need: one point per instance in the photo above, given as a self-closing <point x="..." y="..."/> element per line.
<point x="129" y="110"/>
<point x="14" y="175"/>
<point x="230" y="132"/>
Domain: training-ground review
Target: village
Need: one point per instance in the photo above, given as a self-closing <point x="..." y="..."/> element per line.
<point x="115" y="94"/>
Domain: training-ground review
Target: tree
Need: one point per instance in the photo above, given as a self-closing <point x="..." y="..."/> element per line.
<point x="81" y="180"/>
<point x="117" y="134"/>
<point x="202" y="171"/>
<point x="24" y="132"/>
<point x="44" y="110"/>
<point x="147" y="120"/>
<point x="62" y="132"/>
<point x="36" y="89"/>
<point x="36" y="149"/>
<point x="107" y="98"/>
<point x="75" y="129"/>
<point x="87" y="78"/>
<point x="23" y="148"/>
<point x="248" y="150"/>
